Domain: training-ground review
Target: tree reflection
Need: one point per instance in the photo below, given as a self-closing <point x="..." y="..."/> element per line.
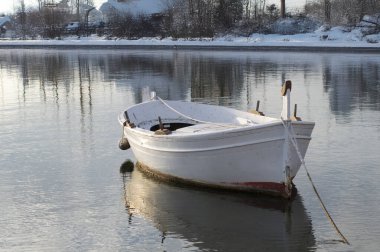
<point x="351" y="84"/>
<point x="351" y="81"/>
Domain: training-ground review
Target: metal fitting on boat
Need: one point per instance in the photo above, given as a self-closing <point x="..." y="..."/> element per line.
<point x="257" y="111"/>
<point x="295" y="117"/>
<point x="128" y="122"/>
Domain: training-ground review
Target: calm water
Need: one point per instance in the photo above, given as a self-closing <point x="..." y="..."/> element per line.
<point x="60" y="185"/>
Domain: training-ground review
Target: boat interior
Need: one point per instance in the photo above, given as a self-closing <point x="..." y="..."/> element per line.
<point x="186" y="117"/>
<point x="171" y="126"/>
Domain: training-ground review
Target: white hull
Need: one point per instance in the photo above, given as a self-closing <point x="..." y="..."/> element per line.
<point x="252" y="156"/>
<point x="252" y="159"/>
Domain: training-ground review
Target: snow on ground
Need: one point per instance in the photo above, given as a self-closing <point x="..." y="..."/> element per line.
<point x="335" y="37"/>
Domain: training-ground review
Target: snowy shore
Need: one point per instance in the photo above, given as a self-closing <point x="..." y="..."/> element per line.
<point x="334" y="40"/>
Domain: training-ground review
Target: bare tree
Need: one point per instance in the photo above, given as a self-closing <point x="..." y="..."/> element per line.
<point x="327" y="11"/>
<point x="40" y="4"/>
<point x="282" y="9"/>
<point x="22" y="18"/>
<point x="76" y="6"/>
<point x="361" y="7"/>
<point x="228" y="12"/>
<point x="346" y="12"/>
<point x="190" y="18"/>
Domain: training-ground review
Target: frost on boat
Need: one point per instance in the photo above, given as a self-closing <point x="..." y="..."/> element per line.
<point x="215" y="146"/>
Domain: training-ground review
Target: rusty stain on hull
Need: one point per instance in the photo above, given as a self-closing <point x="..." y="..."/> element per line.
<point x="263" y="188"/>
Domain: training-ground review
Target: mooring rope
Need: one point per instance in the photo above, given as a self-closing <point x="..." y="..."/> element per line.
<point x="294" y="142"/>
<point x="227" y="125"/>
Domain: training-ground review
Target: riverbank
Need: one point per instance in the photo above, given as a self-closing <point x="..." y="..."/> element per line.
<point x="335" y="40"/>
<point x="215" y="48"/>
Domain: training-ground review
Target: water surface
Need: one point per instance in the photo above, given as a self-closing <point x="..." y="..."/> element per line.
<point x="60" y="184"/>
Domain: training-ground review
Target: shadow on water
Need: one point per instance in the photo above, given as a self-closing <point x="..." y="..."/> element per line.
<point x="219" y="221"/>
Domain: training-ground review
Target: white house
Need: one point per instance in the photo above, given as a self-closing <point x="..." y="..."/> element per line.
<point x="5" y="24"/>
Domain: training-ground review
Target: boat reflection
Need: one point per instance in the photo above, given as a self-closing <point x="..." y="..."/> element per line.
<point x="220" y="221"/>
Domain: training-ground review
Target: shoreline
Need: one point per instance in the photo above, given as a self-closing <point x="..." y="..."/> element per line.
<point x="283" y="48"/>
<point x="155" y="44"/>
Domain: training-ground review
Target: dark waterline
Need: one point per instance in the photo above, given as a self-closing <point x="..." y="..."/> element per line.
<point x="60" y="184"/>
<point x="284" y="48"/>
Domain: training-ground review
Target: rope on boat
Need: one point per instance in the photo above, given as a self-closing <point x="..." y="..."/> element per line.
<point x="294" y="142"/>
<point x="196" y="120"/>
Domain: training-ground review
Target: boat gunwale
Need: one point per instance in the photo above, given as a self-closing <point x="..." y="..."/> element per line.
<point x="227" y="130"/>
<point x="220" y="147"/>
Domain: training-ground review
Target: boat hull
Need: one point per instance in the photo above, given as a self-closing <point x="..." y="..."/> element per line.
<point x="248" y="159"/>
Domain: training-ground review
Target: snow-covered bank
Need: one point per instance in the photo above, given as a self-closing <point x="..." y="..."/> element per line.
<point x="334" y="39"/>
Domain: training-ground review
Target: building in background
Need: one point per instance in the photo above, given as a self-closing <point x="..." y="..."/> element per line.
<point x="6" y="26"/>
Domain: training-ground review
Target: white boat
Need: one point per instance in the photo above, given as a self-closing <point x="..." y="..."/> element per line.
<point x="218" y="147"/>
